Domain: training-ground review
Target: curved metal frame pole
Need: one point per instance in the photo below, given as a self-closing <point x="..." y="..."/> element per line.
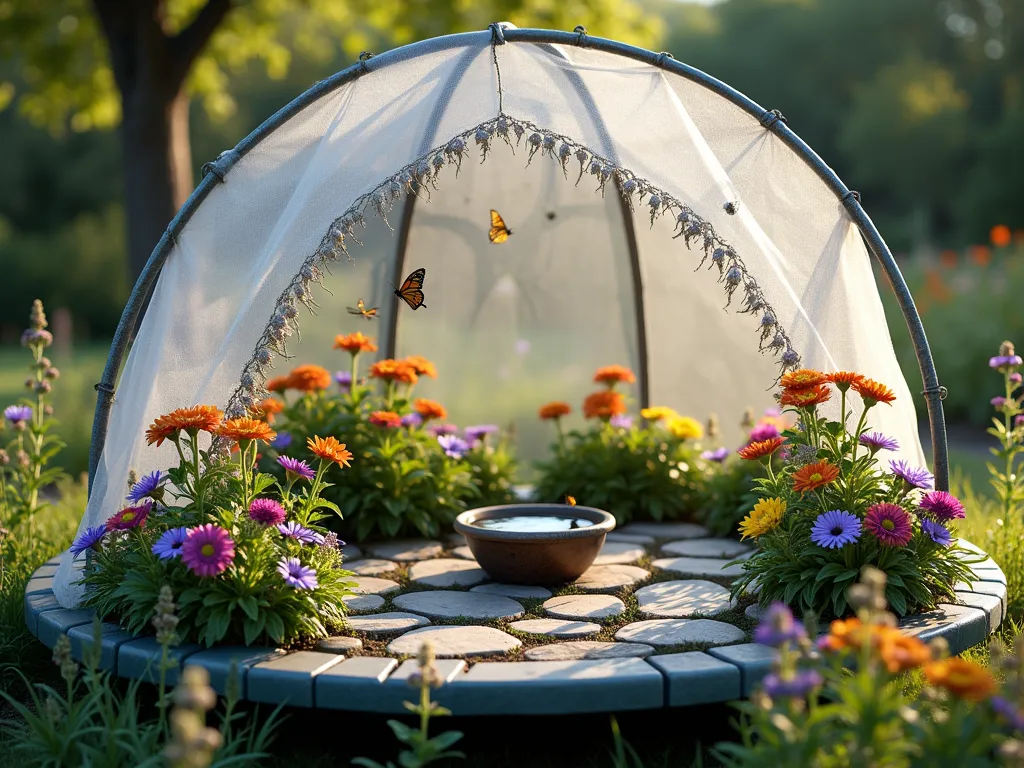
<point x="933" y="391"/>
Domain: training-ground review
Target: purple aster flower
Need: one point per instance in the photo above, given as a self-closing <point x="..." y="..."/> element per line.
<point x="412" y="420"/>
<point x="295" y="574"/>
<point x="479" y="431"/>
<point x="778" y="627"/>
<point x="18" y="414"/>
<point x="302" y="535"/>
<point x="443" y="429"/>
<point x="453" y="446"/>
<point x="763" y="432"/>
<point x="937" y="532"/>
<point x="914" y="477"/>
<point x="149" y="485"/>
<point x="1005" y="361"/>
<point x="266" y="512"/>
<point x="1008" y="711"/>
<point x="344" y="380"/>
<point x="718" y="455"/>
<point x="835" y="529"/>
<point x="943" y="506"/>
<point x="876" y="441"/>
<point x="890" y="524"/>
<point x="296" y="469"/>
<point x="799" y="684"/>
<point x="170" y="543"/>
<point x="998" y="402"/>
<point x="90" y="538"/>
<point x="621" y="421"/>
<point x="282" y="441"/>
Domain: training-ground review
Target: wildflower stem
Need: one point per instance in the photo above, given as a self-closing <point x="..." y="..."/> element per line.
<point x="424" y="706"/>
<point x="355" y="374"/>
<point x="1007" y="440"/>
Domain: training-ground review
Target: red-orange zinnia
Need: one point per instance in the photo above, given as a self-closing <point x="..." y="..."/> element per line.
<point x="429" y="409"/>
<point x="760" y="449"/>
<point x="277" y="384"/>
<point x="845" y="379"/>
<point x="554" y="410"/>
<point x="901" y="652"/>
<point x="421" y="365"/>
<point x="873" y="392"/>
<point x="329" y="449"/>
<point x="198" y="418"/>
<point x="245" y="428"/>
<point x="805" y="378"/>
<point x="604" y="405"/>
<point x="388" y="419"/>
<point x="309" y="378"/>
<point x="814" y="475"/>
<point x="614" y="374"/>
<point x="355" y="343"/>
<point x="394" y="370"/>
<point x="964" y="679"/>
<point x="805" y="398"/>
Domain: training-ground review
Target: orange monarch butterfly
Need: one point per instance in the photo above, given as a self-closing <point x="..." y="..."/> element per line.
<point x="499" y="231"/>
<point x="569" y="500"/>
<point x="411" y="291"/>
<point x="360" y="309"/>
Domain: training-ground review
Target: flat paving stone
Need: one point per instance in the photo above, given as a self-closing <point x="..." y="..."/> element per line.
<point x="682" y="599"/>
<point x="452" y="605"/>
<point x="754" y="662"/>
<point x="556" y="627"/>
<point x="726" y="548"/>
<point x="662" y="632"/>
<point x="584" y="606"/>
<point x="363" y="603"/>
<point x="447" y="572"/>
<point x="666" y="531"/>
<point x="699" y="567"/>
<point x="454" y="539"/>
<point x="289" y="679"/>
<point x="579" y="650"/>
<point x="339" y="644"/>
<point x="754" y="611"/>
<point x="455" y="641"/>
<point x="610" y="578"/>
<point x="386" y="623"/>
<point x="697" y="678"/>
<point x="405" y="551"/>
<point x="371" y="585"/>
<point x="631" y="538"/>
<point x="619" y="552"/>
<point x="370" y="567"/>
<point x="513" y="590"/>
<point x="464" y="552"/>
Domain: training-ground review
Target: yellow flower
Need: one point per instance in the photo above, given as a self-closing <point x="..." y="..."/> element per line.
<point x="658" y="413"/>
<point x="685" y="428"/>
<point x="765" y="516"/>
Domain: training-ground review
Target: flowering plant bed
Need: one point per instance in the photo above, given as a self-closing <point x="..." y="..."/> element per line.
<point x="414" y="473"/>
<point x="831" y="508"/>
<point x="243" y="552"/>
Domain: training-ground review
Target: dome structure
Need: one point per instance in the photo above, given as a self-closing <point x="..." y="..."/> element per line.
<point x="659" y="219"/>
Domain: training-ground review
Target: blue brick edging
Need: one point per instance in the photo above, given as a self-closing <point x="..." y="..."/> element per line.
<point x="378" y="684"/>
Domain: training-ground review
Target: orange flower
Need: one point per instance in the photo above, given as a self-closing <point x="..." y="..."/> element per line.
<point x="355" y="343"/>
<point x="329" y="449"/>
<point x="980" y="255"/>
<point x="614" y="374"/>
<point x="964" y="679"/>
<point x="198" y="418"/>
<point x="843" y="634"/>
<point x="429" y="409"/>
<point x="265" y="409"/>
<point x="277" y="384"/>
<point x="760" y="449"/>
<point x="394" y="370"/>
<point x="245" y="428"/>
<point x="604" y="405"/>
<point x="555" y="410"/>
<point x="901" y="652"/>
<point x="1000" y="236"/>
<point x="948" y="258"/>
<point x="421" y="365"/>
<point x="845" y="379"/>
<point x="806" y="398"/>
<point x="309" y="378"/>
<point x="805" y="378"/>
<point x="814" y="476"/>
<point x="387" y="419"/>
<point x="873" y="392"/>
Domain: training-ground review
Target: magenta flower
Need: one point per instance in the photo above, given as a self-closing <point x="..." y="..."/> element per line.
<point x="890" y="524"/>
<point x="295" y="468"/>
<point x="762" y="432"/>
<point x="1016" y="378"/>
<point x="943" y="506"/>
<point x="998" y="402"/>
<point x="297" y="575"/>
<point x="266" y="512"/>
<point x="442" y="429"/>
<point x="208" y="550"/>
<point x="170" y="543"/>
<point x="479" y="431"/>
<point x="1005" y="361"/>
<point x="90" y="538"/>
<point x="130" y="517"/>
<point x="619" y="421"/>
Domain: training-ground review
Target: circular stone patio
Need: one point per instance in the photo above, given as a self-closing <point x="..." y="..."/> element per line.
<point x="650" y="625"/>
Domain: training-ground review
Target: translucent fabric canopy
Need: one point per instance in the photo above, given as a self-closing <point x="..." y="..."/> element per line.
<point x="642" y="201"/>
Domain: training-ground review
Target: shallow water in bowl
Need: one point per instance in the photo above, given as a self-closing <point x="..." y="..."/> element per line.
<point x="533" y="523"/>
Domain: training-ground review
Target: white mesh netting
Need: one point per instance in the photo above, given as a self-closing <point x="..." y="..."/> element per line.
<point x="516" y="325"/>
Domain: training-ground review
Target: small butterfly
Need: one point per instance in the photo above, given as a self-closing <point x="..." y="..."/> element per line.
<point x="411" y="291"/>
<point x="360" y="309"/>
<point x="499" y="231"/>
<point x="569" y="500"/>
